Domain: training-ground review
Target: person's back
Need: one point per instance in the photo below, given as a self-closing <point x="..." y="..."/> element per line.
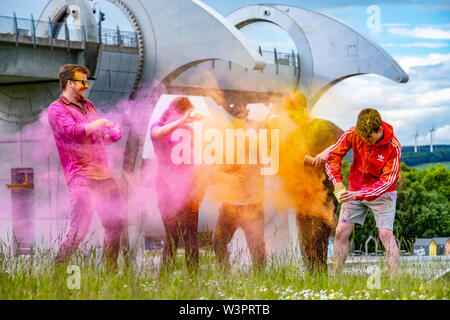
<point x="307" y="186"/>
<point x="175" y="180"/>
<point x="240" y="187"/>
<point x="242" y="184"/>
<point x="178" y="192"/>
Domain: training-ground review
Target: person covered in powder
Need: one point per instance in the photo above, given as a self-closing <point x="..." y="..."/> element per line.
<point x="318" y="132"/>
<point x="80" y="136"/>
<point x="372" y="183"/>
<point x="241" y="186"/>
<point x="178" y="190"/>
<point x="308" y="187"/>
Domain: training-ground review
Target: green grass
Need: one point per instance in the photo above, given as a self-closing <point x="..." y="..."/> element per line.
<point x="37" y="278"/>
<point x="446" y="164"/>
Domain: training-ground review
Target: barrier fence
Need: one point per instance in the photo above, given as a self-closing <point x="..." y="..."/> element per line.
<point x="115" y="37"/>
<point x="63" y="31"/>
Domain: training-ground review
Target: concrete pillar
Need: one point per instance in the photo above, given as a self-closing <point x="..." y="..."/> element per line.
<point x="22" y="196"/>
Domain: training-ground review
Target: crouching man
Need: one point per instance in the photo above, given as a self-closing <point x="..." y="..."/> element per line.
<point x="372" y="183"/>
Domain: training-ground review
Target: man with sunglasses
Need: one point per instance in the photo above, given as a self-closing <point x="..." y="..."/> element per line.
<point x="80" y="136"/>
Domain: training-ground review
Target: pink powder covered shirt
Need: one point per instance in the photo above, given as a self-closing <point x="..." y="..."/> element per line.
<point x="79" y="155"/>
<point x="176" y="182"/>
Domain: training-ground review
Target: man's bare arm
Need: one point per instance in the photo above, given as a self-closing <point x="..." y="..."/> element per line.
<point x="159" y="132"/>
<point x="319" y="160"/>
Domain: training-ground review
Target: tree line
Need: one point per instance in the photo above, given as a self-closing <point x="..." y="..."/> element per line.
<point x="415" y="158"/>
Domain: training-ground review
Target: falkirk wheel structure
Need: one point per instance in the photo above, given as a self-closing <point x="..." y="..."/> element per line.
<point x="181" y="47"/>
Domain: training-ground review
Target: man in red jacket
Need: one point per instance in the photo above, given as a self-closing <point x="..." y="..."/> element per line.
<point x="372" y="183"/>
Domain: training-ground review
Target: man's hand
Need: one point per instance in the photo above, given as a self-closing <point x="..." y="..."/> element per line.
<point x="339" y="186"/>
<point x="273" y="120"/>
<point x="103" y="123"/>
<point x="112" y="135"/>
<point x="349" y="196"/>
<point x="120" y="131"/>
<point x="319" y="160"/>
<point x="187" y="117"/>
<point x="98" y="125"/>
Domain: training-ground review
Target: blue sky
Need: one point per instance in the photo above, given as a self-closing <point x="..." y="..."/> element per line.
<point x="415" y="33"/>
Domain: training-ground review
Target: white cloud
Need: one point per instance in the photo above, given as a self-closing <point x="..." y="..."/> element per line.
<point x="395" y="25"/>
<point x="407" y="63"/>
<point x="442" y="133"/>
<point x="428" y="32"/>
<point x="417" y="45"/>
<point x="440" y="136"/>
<point x="414" y="105"/>
<point x="434" y="97"/>
<point x="407" y="121"/>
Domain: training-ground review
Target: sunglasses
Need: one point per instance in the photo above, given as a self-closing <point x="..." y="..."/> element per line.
<point x="83" y="82"/>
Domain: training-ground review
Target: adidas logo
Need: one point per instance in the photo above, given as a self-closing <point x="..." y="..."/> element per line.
<point x="380" y="157"/>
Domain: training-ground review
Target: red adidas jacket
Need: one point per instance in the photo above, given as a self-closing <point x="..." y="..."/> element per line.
<point x="375" y="168"/>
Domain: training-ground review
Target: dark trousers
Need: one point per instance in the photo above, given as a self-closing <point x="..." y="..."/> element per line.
<point x="182" y="223"/>
<point x="314" y="232"/>
<point x="251" y="219"/>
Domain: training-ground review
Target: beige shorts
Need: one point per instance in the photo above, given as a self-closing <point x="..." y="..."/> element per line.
<point x="383" y="209"/>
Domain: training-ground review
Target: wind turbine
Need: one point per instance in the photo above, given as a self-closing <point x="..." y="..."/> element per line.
<point x="431" y="138"/>
<point x="415" y="139"/>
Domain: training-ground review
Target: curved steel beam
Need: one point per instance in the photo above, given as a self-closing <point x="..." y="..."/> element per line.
<point x="262" y="13"/>
<point x="171" y="35"/>
<point x="329" y="50"/>
<point x="135" y="23"/>
<point x="175" y="37"/>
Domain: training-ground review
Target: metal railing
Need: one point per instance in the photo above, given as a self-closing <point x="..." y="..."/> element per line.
<point x="119" y="38"/>
<point x="8" y="25"/>
<point x="63" y="31"/>
<point x="281" y="58"/>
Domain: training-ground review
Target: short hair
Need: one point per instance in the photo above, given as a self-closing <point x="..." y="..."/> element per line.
<point x="179" y="104"/>
<point x="369" y="121"/>
<point x="295" y="101"/>
<point x="67" y="71"/>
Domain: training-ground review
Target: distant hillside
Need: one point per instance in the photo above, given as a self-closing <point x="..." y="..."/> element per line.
<point x="441" y="153"/>
<point x="415" y="158"/>
<point x="426" y="148"/>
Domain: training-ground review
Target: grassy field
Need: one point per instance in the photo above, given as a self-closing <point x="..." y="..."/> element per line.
<point x="37" y="278"/>
<point x="446" y="164"/>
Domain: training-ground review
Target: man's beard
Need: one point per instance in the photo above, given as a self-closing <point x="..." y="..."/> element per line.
<point x="81" y="95"/>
